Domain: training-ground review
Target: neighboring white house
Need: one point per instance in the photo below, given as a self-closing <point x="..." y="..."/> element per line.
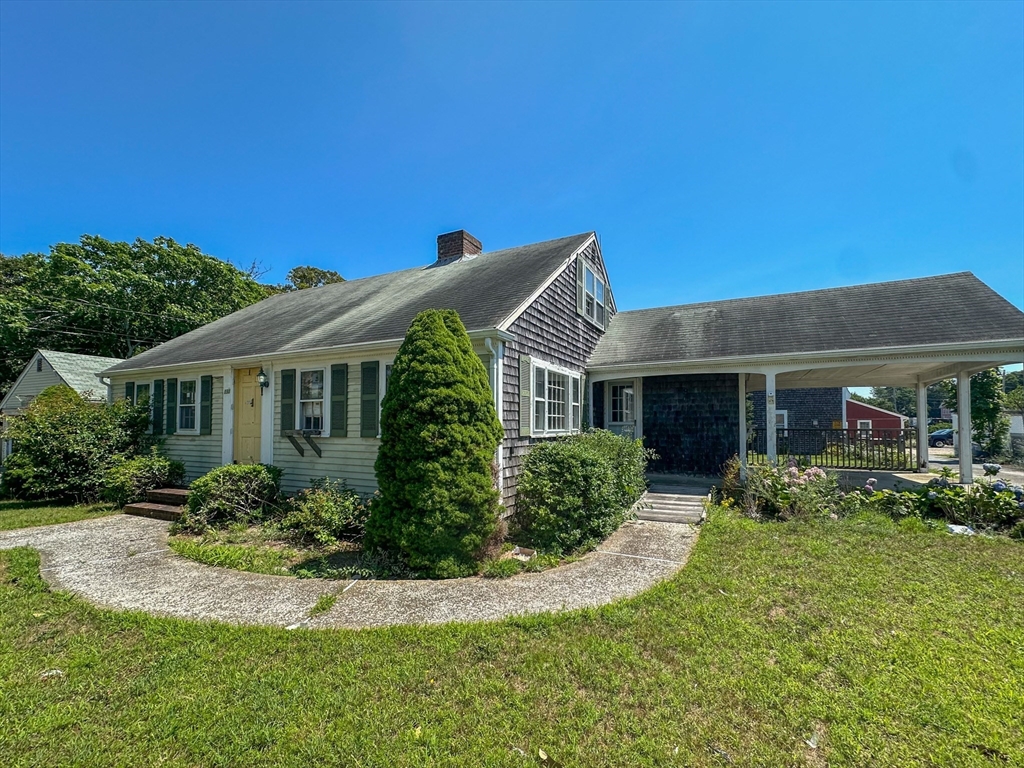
<point x="46" y="369"/>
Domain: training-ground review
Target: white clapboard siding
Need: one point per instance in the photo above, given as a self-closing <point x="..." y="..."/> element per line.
<point x="199" y="453"/>
<point x="32" y="383"/>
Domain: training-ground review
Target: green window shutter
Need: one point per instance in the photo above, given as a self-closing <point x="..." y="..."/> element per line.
<point x="206" y="405"/>
<point x="525" y="396"/>
<point x="172" y="407"/>
<point x="579" y="285"/>
<point x="129" y="391"/>
<point x="157" y="400"/>
<point x="339" y="400"/>
<point x="287" y="400"/>
<point x="369" y="411"/>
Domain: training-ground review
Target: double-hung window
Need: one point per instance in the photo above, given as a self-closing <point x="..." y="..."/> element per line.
<point x="556" y="400"/>
<point x="188" y="392"/>
<point x="311" y="400"/>
<point x="593" y="297"/>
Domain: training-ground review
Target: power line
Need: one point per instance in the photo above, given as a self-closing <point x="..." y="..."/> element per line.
<point x="93" y="334"/>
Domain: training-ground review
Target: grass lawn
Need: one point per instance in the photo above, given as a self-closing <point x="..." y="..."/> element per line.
<point x="24" y="514"/>
<point x="884" y="646"/>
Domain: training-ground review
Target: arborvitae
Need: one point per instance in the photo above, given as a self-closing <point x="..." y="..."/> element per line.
<point x="439" y="432"/>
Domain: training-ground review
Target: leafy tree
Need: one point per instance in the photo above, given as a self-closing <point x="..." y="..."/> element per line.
<point x="902" y="400"/>
<point x="438" y="507"/>
<point x="1015" y="400"/>
<point x="989" y="426"/>
<point x="65" y="444"/>
<point x="311" y="277"/>
<point x="114" y="299"/>
<point x="1012" y="381"/>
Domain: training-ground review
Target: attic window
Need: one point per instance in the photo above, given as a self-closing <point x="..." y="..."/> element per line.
<point x="39" y="365"/>
<point x="593" y="303"/>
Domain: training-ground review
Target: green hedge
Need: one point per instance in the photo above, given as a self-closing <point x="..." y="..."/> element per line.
<point x="575" y="491"/>
<point x="232" y="493"/>
<point x="128" y="480"/>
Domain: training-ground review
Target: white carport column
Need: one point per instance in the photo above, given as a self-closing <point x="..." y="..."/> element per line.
<point x="922" y="427"/>
<point x="769" y="416"/>
<point x="963" y="411"/>
<point x="743" y="425"/>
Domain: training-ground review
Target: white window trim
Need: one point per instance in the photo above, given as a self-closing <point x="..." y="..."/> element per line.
<point x="325" y="431"/>
<point x="178" y="429"/>
<point x="542" y="396"/>
<point x="861" y="422"/>
<point x="587" y="270"/>
<point x="785" y="419"/>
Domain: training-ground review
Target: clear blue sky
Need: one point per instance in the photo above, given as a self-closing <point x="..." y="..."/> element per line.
<point x="720" y="150"/>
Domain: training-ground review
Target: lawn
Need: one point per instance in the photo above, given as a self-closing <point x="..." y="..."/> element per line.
<point x="881" y="645"/>
<point x="24" y="514"/>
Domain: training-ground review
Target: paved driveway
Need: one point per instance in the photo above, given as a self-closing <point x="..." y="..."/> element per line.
<point x="124" y="562"/>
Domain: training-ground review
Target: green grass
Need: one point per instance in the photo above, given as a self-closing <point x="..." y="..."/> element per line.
<point x="242" y="557"/>
<point x="323" y="604"/>
<point x="25" y="514"/>
<point x="896" y="647"/>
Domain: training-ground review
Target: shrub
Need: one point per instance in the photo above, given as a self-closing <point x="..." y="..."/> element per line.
<point x="501" y="569"/>
<point x="785" y="492"/>
<point x="65" y="445"/>
<point x="127" y="481"/>
<point x="326" y="513"/>
<point x="576" y="490"/>
<point x="232" y="493"/>
<point x="438" y="505"/>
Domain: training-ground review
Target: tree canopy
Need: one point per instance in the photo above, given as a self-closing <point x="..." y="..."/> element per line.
<point x="989" y="426"/>
<point x="902" y="400"/>
<point x="116" y="299"/>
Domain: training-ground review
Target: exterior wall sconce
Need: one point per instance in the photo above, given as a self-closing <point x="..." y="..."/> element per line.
<point x="263" y="379"/>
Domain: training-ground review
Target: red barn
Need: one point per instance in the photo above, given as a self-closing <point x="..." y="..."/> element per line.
<point x="863" y="416"/>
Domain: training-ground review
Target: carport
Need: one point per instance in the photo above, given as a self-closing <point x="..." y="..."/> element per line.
<point x="678" y="376"/>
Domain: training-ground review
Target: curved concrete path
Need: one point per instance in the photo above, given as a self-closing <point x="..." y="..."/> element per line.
<point x="124" y="562"/>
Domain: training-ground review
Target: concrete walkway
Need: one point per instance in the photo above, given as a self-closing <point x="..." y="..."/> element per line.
<point x="123" y="562"/>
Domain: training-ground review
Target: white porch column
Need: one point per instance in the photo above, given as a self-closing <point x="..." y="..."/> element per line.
<point x="963" y="410"/>
<point x="743" y="426"/>
<point x="922" y="427"/>
<point x="769" y="415"/>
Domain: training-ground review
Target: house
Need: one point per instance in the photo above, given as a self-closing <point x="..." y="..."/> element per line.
<point x="861" y="416"/>
<point x="805" y="408"/>
<point x="46" y="369"/>
<point x="297" y="379"/>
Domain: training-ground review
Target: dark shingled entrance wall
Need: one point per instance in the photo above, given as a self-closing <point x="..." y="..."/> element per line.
<point x="691" y="421"/>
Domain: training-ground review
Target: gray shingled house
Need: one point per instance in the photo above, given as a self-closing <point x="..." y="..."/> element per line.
<point x="46" y="369"/>
<point x="297" y="379"/>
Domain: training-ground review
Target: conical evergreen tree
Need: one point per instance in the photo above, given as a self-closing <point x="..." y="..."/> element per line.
<point x="439" y="431"/>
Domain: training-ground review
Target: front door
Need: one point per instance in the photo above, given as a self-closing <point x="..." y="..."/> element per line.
<point x="621" y="399"/>
<point x="248" y="413"/>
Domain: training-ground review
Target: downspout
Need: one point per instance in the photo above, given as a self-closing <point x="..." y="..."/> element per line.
<point x="496" y="375"/>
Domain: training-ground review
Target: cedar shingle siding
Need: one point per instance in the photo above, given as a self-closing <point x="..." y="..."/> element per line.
<point x="803" y="407"/>
<point x="550" y="330"/>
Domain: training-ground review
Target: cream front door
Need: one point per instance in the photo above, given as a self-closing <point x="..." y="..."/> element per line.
<point x="247" y="416"/>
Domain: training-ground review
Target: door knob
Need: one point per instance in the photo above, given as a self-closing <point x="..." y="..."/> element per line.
<point x="252" y="403"/>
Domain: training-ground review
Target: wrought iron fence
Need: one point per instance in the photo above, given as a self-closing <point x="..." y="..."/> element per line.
<point x="891" y="449"/>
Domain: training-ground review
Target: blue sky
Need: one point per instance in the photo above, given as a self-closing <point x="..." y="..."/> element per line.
<point x="720" y="150"/>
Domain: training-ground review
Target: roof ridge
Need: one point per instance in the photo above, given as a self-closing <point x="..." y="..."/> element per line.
<point x="809" y="291"/>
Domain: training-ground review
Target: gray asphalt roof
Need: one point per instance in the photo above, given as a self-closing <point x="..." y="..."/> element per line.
<point x="80" y="371"/>
<point x="484" y="290"/>
<point x="929" y="310"/>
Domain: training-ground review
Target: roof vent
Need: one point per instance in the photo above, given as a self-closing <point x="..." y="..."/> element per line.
<point x="456" y="246"/>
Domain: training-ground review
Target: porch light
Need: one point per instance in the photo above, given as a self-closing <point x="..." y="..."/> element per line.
<point x="263" y="379"/>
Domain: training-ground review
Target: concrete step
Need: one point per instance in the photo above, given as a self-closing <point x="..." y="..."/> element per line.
<point x="689" y="518"/>
<point x="173" y="496"/>
<point x="674" y="497"/>
<point x="157" y="511"/>
<point x="679" y="490"/>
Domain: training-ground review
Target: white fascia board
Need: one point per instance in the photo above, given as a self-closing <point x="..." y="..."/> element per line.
<point x="1005" y="350"/>
<point x="505" y="324"/>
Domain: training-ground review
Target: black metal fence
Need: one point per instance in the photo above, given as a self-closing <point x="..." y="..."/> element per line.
<point x="891" y="449"/>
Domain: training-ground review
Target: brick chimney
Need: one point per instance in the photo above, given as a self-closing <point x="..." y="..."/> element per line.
<point x="455" y="246"/>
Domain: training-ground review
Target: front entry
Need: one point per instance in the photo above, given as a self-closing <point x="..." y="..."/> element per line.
<point x="621" y="404"/>
<point x="248" y="412"/>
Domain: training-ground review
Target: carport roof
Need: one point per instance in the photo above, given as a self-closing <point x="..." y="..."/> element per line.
<point x="946" y="309"/>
